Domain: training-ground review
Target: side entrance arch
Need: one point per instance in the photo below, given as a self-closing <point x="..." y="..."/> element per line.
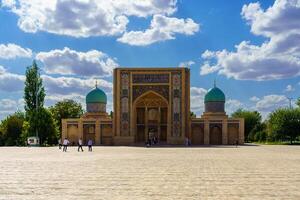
<point x="215" y="134"/>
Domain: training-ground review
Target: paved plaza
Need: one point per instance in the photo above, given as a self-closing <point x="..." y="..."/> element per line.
<point x="224" y="172"/>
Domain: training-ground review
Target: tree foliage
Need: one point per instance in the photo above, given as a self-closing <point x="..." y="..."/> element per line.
<point x="65" y="109"/>
<point x="45" y="125"/>
<point x="33" y="88"/>
<point x="252" y="118"/>
<point x="11" y="129"/>
<point x="284" y="124"/>
<point x="298" y="102"/>
<point x="258" y="133"/>
<point x="192" y="114"/>
<point x="39" y="118"/>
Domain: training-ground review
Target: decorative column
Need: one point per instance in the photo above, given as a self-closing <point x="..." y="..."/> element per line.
<point x="176" y="95"/>
<point x="97" y="132"/>
<point x="146" y="123"/>
<point x="159" y="121"/>
<point x="206" y="132"/>
<point x="80" y="129"/>
<point x="241" y="131"/>
<point x="224" y="131"/>
<point x="64" y="129"/>
<point x="125" y="122"/>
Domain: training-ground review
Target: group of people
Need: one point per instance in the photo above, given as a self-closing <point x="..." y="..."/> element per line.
<point x="152" y="141"/>
<point x="66" y="143"/>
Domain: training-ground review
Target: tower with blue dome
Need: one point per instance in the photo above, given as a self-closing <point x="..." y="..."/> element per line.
<point x="214" y="100"/>
<point x="96" y="101"/>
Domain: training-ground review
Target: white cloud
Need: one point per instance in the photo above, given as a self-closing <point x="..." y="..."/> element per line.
<point x="207" y="69"/>
<point x="269" y="103"/>
<point x="9" y="106"/>
<point x="277" y="58"/>
<point x="282" y="17"/>
<point x="254" y="99"/>
<point x="11" y="82"/>
<point x="186" y="63"/>
<point x="8" y="3"/>
<point x="162" y="28"/>
<point x="52" y="99"/>
<point x="84" y="18"/>
<point x="231" y="105"/>
<point x="57" y="89"/>
<point x="11" y="51"/>
<point x="72" y="85"/>
<point x="197" y="99"/>
<point x="71" y="62"/>
<point x="289" y="88"/>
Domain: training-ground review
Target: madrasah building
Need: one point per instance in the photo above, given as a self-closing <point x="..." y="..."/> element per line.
<point x="153" y="102"/>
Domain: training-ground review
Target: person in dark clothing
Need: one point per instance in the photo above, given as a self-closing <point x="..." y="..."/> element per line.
<point x="90" y="144"/>
<point x="236" y="143"/>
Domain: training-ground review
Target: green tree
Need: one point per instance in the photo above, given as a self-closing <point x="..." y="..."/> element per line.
<point x="34" y="95"/>
<point x="46" y="127"/>
<point x="33" y="88"/>
<point x="11" y="129"/>
<point x="38" y="117"/>
<point x="298" y="102"/>
<point x="252" y="118"/>
<point x="258" y="133"/>
<point x="284" y="123"/>
<point x="192" y="114"/>
<point x="65" y="109"/>
<point x="25" y="133"/>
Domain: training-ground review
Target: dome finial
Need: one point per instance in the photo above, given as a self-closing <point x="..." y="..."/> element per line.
<point x="96" y="84"/>
<point x="215" y="85"/>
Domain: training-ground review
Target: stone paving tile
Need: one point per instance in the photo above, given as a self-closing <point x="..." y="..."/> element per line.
<point x="247" y="172"/>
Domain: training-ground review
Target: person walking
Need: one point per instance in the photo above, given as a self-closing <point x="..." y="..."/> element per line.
<point x="236" y="143"/>
<point x="90" y="144"/>
<point x="186" y="142"/>
<point x="80" y="145"/>
<point x="59" y="144"/>
<point x="65" y="144"/>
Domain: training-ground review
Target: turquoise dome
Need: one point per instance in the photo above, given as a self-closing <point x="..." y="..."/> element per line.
<point x="96" y="96"/>
<point x="214" y="95"/>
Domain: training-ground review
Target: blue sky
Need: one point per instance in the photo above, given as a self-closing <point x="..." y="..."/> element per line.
<point x="249" y="47"/>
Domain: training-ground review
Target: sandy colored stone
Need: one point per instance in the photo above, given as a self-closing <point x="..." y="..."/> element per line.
<point x="248" y="172"/>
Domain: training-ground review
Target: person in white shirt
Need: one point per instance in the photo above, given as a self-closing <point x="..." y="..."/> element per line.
<point x="59" y="144"/>
<point x="80" y="145"/>
<point x="65" y="144"/>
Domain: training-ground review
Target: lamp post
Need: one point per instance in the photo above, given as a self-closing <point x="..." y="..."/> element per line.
<point x="290" y="100"/>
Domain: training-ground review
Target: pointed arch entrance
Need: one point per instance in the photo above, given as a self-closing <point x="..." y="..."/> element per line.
<point x="151" y="117"/>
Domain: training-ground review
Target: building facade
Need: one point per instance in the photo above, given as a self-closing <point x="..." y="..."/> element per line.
<point x="214" y="127"/>
<point x="153" y="103"/>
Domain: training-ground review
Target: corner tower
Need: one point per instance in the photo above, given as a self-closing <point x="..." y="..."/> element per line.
<point x="96" y="101"/>
<point x="214" y="100"/>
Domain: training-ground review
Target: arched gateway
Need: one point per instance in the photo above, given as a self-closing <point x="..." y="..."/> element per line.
<point x="151" y="117"/>
<point x="151" y="102"/>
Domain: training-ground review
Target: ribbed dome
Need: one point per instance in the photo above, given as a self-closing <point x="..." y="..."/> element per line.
<point x="96" y="96"/>
<point x="214" y="95"/>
